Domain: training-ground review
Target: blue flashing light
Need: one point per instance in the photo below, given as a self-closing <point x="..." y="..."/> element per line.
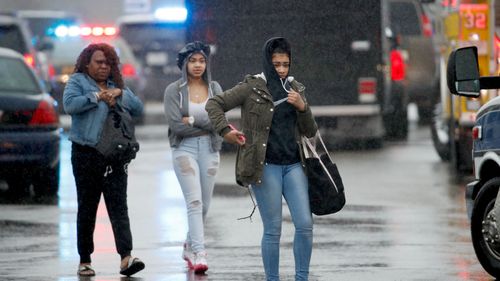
<point x="172" y="14"/>
<point x="61" y="31"/>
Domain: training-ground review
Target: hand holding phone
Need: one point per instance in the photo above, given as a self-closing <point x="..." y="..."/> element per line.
<point x="241" y="136"/>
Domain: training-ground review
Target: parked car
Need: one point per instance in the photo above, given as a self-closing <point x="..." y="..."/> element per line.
<point x="410" y="22"/>
<point x="66" y="50"/>
<point x="29" y="130"/>
<point x="155" y="43"/>
<point x="16" y="35"/>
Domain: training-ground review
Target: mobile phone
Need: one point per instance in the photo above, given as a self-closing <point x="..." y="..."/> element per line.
<point x="242" y="138"/>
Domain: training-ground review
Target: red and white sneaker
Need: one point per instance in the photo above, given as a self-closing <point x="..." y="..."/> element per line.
<point x="200" y="262"/>
<point x="188" y="255"/>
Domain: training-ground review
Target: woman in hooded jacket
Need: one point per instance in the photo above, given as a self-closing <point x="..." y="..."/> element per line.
<point x="274" y="114"/>
<point x="195" y="144"/>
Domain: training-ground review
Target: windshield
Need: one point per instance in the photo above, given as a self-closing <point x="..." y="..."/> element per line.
<point x="404" y="18"/>
<point x="15" y="76"/>
<point x="153" y="36"/>
<point x="11" y="37"/>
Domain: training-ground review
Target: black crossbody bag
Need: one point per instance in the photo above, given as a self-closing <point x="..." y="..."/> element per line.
<point x="118" y="142"/>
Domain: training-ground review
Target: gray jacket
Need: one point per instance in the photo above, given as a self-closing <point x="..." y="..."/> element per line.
<point x="176" y="105"/>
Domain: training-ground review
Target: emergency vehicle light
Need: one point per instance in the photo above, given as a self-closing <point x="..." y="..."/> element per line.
<point x="73" y="31"/>
<point x="172" y="14"/>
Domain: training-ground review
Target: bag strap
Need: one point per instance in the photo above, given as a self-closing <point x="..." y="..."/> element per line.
<point x="310" y="147"/>
<point x="324" y="146"/>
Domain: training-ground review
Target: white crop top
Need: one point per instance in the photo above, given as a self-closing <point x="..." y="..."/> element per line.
<point x="197" y="110"/>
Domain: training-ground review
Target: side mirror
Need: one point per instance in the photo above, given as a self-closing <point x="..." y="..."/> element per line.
<point x="462" y="72"/>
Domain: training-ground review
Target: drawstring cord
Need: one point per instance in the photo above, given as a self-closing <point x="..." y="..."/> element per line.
<point x="108" y="171"/>
<point x="253" y="210"/>
<point x="283" y="84"/>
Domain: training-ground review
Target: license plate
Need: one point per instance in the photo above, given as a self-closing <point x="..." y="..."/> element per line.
<point x="156" y="58"/>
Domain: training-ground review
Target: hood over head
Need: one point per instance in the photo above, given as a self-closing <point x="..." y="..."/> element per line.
<point x="274" y="83"/>
<point x="186" y="52"/>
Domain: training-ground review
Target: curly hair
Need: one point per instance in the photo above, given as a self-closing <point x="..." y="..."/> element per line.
<point x="112" y="59"/>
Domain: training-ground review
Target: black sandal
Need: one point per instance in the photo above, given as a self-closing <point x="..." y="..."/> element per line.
<point x="134" y="265"/>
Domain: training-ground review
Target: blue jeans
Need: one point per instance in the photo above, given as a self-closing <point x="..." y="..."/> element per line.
<point x="290" y="182"/>
<point x="196" y="167"/>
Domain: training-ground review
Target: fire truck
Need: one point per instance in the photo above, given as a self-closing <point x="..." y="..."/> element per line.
<point x="462" y="23"/>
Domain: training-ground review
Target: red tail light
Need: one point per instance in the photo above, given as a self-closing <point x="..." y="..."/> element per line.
<point x="426" y="26"/>
<point x="477" y="132"/>
<point x="367" y="88"/>
<point x="397" y="66"/>
<point x="128" y="70"/>
<point x="45" y="114"/>
<point x="30" y="60"/>
<point x="52" y="71"/>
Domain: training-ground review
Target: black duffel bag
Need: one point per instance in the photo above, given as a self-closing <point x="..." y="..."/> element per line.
<point x="117" y="142"/>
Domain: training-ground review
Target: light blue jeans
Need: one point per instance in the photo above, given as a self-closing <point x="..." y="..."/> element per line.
<point x="196" y="167"/>
<point x="290" y="182"/>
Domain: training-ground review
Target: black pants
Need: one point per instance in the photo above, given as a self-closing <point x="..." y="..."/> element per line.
<point x="89" y="168"/>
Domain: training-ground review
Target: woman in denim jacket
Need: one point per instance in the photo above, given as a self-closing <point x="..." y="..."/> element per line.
<point x="274" y="113"/>
<point x="95" y="86"/>
<point x="195" y="144"/>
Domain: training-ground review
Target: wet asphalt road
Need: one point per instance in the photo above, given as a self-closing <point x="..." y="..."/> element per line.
<point x="405" y="220"/>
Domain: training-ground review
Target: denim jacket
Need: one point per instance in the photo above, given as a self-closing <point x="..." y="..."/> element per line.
<point x="87" y="114"/>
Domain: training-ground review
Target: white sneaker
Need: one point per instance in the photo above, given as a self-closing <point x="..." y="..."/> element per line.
<point x="188" y="255"/>
<point x="200" y="262"/>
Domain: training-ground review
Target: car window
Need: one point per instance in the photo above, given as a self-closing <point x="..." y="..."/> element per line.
<point x="404" y="18"/>
<point x="11" y="37"/>
<point x="16" y="76"/>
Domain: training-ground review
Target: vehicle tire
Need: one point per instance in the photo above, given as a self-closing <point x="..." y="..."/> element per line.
<point x="440" y="134"/>
<point x="488" y="257"/>
<point x="46" y="183"/>
<point x="396" y="124"/>
<point x="426" y="109"/>
<point x="396" y="115"/>
<point x="18" y="187"/>
<point x="375" y="143"/>
<point x="425" y="114"/>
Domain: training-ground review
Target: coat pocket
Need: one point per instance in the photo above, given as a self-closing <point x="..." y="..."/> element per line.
<point x="246" y="160"/>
